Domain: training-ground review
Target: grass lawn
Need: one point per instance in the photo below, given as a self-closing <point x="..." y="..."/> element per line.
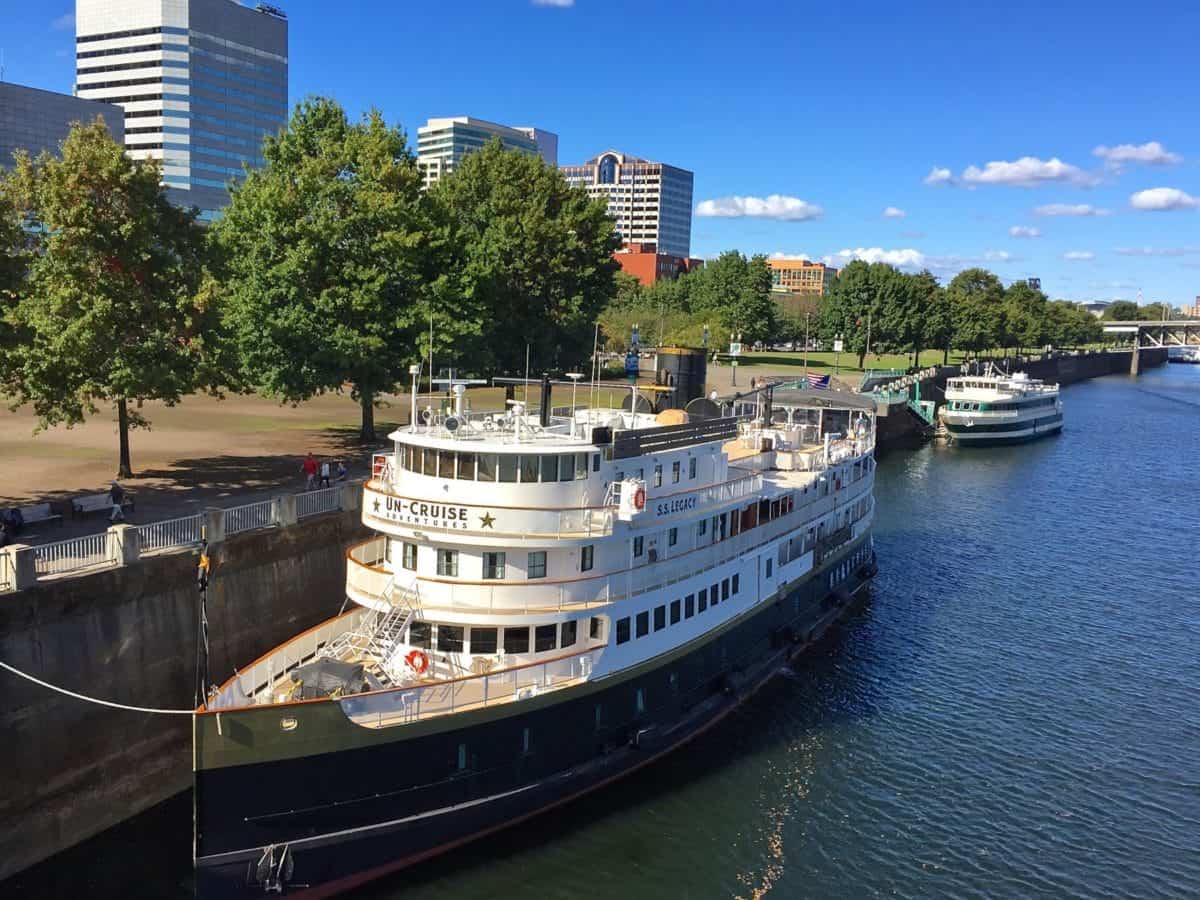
<point x="823" y="361"/>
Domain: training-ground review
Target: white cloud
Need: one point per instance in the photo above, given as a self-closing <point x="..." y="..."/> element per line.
<point x="1028" y="171"/>
<point x="561" y="4"/>
<point x="1079" y="255"/>
<point x="903" y="259"/>
<point x="939" y="176"/>
<point x="1069" y="209"/>
<point x="1163" y="198"/>
<point x="65" y="22"/>
<point x="1024" y="231"/>
<point x="998" y="256"/>
<point x="779" y="254"/>
<point x="776" y="206"/>
<point x="894" y="212"/>
<point x="1155" y="251"/>
<point x="1151" y="153"/>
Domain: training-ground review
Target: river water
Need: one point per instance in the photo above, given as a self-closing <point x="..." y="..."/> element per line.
<point x="1014" y="712"/>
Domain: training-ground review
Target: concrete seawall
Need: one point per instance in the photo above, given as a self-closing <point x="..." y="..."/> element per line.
<point x="70" y="769"/>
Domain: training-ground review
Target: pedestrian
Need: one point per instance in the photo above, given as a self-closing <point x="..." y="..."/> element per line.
<point x="325" y="473"/>
<point x="341" y="470"/>
<point x="116" y="495"/>
<point x="309" y="468"/>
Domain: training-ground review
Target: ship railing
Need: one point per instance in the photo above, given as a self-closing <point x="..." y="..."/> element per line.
<point x="7" y="577"/>
<point x="249" y="516"/>
<point x="171" y="534"/>
<point x="312" y="503"/>
<point x="399" y="706"/>
<point x="92" y="550"/>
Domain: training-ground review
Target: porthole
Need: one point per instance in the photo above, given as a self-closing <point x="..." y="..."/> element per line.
<point x="288" y="724"/>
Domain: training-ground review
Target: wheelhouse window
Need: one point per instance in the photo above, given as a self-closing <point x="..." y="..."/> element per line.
<point x="447" y="563"/>
<point x="581" y="471"/>
<point x="483" y="640"/>
<point x="466" y="466"/>
<point x="508" y="467"/>
<point x="675" y="472"/>
<point x="643" y="623"/>
<point x="674" y="612"/>
<point x="587" y="557"/>
<point x="446" y="463"/>
<point x="702" y="600"/>
<point x="545" y="637"/>
<point x="493" y="566"/>
<point x="567" y="634"/>
<point x="689" y="606"/>
<point x="409" y="556"/>
<point x="536" y="567"/>
<point x="658" y="476"/>
<point x="450" y="638"/>
<point x="550" y="468"/>
<point x="429" y="462"/>
<point x="622" y="630"/>
<point x="672" y="537"/>
<point x="639" y="546"/>
<point x="529" y="469"/>
<point x="692" y="467"/>
<point x="486" y="470"/>
<point x="516" y="640"/>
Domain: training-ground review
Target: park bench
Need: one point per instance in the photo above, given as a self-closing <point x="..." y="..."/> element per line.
<point x="88" y="503"/>
<point x="39" y="512"/>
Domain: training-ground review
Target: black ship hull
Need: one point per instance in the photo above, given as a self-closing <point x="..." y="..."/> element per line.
<point x="321" y="824"/>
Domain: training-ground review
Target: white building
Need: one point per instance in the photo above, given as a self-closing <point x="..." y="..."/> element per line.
<point x="442" y="143"/>
<point x="201" y="83"/>
<point x="651" y="201"/>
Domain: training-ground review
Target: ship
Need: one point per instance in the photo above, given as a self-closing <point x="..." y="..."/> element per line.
<point x="994" y="408"/>
<point x="550" y="600"/>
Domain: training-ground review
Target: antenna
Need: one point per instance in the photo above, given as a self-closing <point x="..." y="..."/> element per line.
<point x="1" y="63"/>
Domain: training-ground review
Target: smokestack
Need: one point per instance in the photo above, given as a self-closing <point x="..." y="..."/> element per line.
<point x="545" y="414"/>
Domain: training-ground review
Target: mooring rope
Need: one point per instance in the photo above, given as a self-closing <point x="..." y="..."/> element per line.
<point x="96" y="700"/>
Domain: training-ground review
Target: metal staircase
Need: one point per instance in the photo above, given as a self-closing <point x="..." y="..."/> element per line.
<point x="379" y="635"/>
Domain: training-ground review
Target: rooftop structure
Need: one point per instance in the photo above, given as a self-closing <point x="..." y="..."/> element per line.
<point x="34" y="120"/>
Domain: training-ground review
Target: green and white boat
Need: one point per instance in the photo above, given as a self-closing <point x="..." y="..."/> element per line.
<point x="996" y="408"/>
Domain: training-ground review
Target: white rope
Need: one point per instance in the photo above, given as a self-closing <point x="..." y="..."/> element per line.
<point x="142" y="709"/>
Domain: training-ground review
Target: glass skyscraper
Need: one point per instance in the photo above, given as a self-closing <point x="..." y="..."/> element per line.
<point x="201" y="82"/>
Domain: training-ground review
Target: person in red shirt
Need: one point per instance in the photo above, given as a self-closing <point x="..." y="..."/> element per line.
<point x="309" y="468"/>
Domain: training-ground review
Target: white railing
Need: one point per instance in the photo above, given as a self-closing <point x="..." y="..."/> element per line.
<point x="312" y="503"/>
<point x="73" y="554"/>
<point x="171" y="534"/>
<point x="252" y="515"/>
<point x="7" y="581"/>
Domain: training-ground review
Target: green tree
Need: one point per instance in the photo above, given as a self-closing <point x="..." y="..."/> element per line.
<point x="331" y="259"/>
<point x="110" y="309"/>
<point x="1070" y="325"/>
<point x="873" y="306"/>
<point x="937" y="326"/>
<point x="734" y="293"/>
<point x="532" y="259"/>
<point x="1121" y="311"/>
<point x="976" y="296"/>
<point x="1025" y="313"/>
<point x="1154" y="312"/>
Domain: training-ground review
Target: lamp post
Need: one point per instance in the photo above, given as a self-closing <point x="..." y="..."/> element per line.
<point x="574" y="376"/>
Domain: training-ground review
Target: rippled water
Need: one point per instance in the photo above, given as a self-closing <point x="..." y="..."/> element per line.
<point x="1016" y="712"/>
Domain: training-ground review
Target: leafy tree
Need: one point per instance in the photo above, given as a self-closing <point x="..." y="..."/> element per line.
<point x="109" y="310"/>
<point x="937" y="326"/>
<point x="1070" y="325"/>
<point x="975" y="297"/>
<point x="14" y="261"/>
<point x="331" y="260"/>
<point x="1024" y="316"/>
<point x="1154" y="312"/>
<point x="1121" y="311"/>
<point x="874" y="302"/>
<point x="735" y="293"/>
<point x="532" y="259"/>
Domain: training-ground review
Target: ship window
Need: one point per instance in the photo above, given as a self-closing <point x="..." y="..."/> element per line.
<point x="675" y="472"/>
<point x="493" y="566"/>
<point x="536" y="568"/>
<point x="450" y="638"/>
<point x="622" y="630"/>
<point x="409" y="556"/>
<point x="529" y="469"/>
<point x="736" y="581"/>
<point x="712" y="594"/>
<point x="508" y="467"/>
<point x="769" y="567"/>
<point x="466" y="466"/>
<point x="483" y="640"/>
<point x="595" y="462"/>
<point x="639" y="544"/>
<point x="596" y="629"/>
<point x="672" y="537"/>
<point x="703" y="527"/>
<point x="674" y="611"/>
<point x="581" y="466"/>
<point x="420" y="634"/>
<point x="550" y="468"/>
<point x="446" y="463"/>
<point x="462" y="757"/>
<point x="545" y="637"/>
<point x="567" y="638"/>
<point x="429" y="462"/>
<point x="658" y="476"/>
<point x="641" y="700"/>
<point x="692" y="467"/>
<point x="619" y="476"/>
<point x="447" y="563"/>
<point x="725" y="588"/>
<point x="643" y="623"/>
<point x="587" y="557"/>
<point x="660" y="618"/>
<point x="487" y="467"/>
<point x="516" y="640"/>
<point x="689" y="606"/>
<point x="703" y="600"/>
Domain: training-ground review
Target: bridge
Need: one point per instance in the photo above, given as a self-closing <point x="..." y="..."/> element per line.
<point x="1157" y="335"/>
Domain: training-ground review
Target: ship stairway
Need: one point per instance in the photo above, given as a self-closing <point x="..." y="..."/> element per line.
<point x="380" y="635"/>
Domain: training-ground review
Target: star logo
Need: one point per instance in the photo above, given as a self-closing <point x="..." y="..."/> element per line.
<point x="376" y="504"/>
<point x="487" y="519"/>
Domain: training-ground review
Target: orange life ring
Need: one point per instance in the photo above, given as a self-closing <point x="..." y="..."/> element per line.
<point x="417" y="661"/>
<point x="639" y="498"/>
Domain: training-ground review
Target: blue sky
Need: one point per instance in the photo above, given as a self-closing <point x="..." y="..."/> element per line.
<point x="838" y="111"/>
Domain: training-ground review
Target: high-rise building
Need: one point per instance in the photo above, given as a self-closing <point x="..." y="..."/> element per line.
<point x="35" y="120"/>
<point x="201" y="82"/>
<point x="651" y="201"/>
<point x="442" y="143"/>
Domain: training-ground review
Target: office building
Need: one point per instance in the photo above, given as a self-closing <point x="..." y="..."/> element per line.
<point x="35" y="120"/>
<point x="1095" y="307"/>
<point x="801" y="276"/>
<point x="648" y="264"/>
<point x="650" y="201"/>
<point x="201" y="82"/>
<point x="442" y="143"/>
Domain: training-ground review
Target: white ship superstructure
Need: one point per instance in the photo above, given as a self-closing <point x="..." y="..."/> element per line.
<point x="994" y="408"/>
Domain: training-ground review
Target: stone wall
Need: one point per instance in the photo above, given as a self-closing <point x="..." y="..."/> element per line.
<point x="70" y="769"/>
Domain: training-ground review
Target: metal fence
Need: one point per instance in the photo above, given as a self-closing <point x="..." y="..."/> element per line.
<point x="73" y="554"/>
<point x="171" y="533"/>
<point x="247" y="518"/>
<point x="314" y="502"/>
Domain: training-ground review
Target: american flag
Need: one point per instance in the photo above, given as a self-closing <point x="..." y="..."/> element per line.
<point x="817" y="381"/>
